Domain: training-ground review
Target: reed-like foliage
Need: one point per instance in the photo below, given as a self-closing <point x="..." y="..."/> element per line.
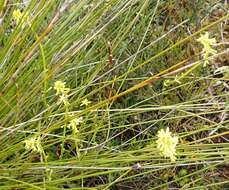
<point x="86" y="85"/>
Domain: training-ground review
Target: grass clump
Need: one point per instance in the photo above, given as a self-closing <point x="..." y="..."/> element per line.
<point x="85" y="87"/>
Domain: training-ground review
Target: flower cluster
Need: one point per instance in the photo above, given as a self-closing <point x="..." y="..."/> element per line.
<point x="74" y="123"/>
<point x="85" y="102"/>
<point x="166" y="143"/>
<point x="207" y="46"/>
<point x="17" y="16"/>
<point x="62" y="91"/>
<point x="33" y="144"/>
<point x="60" y="88"/>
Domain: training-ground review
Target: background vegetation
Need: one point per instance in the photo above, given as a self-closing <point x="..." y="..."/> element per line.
<point x="156" y="79"/>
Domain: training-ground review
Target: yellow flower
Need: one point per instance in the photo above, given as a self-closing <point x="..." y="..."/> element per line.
<point x="17" y="15"/>
<point x="33" y="144"/>
<point x="74" y="123"/>
<point x="85" y="102"/>
<point x="60" y="88"/>
<point x="167" y="82"/>
<point x="64" y="99"/>
<point x="166" y="143"/>
<point x="207" y="43"/>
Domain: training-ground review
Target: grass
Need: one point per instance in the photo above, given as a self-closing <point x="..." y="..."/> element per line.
<point x="140" y="65"/>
